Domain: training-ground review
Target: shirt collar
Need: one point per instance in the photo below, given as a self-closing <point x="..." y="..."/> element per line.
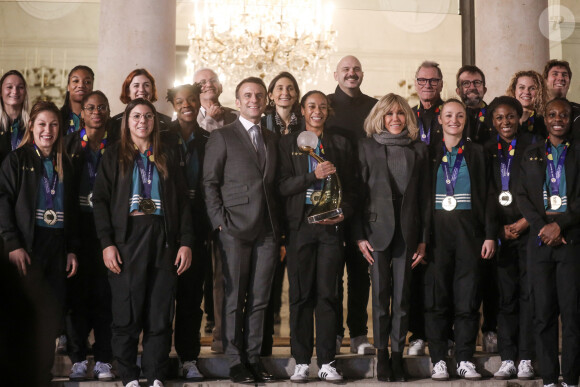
<point x="247" y="124"/>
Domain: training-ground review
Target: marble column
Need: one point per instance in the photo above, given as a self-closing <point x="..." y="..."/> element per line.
<point x="508" y="39"/>
<point x="136" y="34"/>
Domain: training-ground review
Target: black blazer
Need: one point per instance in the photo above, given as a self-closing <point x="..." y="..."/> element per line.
<point x="239" y="195"/>
<point x="111" y="196"/>
<point x="294" y="178"/>
<point x="511" y="213"/>
<point x="20" y="178"/>
<point x="436" y="129"/>
<point x="483" y="197"/>
<point x="375" y="221"/>
<point x="530" y="193"/>
<point x="171" y="138"/>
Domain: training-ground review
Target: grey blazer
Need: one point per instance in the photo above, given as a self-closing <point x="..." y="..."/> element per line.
<point x="375" y="221"/>
<point x="239" y="195"/>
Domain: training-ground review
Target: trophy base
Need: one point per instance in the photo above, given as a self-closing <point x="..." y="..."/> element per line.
<point x="325" y="215"/>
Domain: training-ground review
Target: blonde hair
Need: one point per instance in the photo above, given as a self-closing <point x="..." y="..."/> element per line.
<point x="4" y="119"/>
<point x="539" y="102"/>
<point x="28" y="138"/>
<point x="375" y="121"/>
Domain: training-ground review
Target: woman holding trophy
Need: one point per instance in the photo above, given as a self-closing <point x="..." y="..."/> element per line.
<point x="316" y="179"/>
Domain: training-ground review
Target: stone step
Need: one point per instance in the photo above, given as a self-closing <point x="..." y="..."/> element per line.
<point x="281" y="365"/>
<point x="315" y="382"/>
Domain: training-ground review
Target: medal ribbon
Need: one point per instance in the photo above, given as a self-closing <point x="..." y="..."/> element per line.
<point x="505" y="163"/>
<point x="451" y="178"/>
<point x="49" y="186"/>
<point x="425" y="137"/>
<point x="15" y="134"/>
<point x="92" y="167"/>
<point x="555" y="172"/>
<point x="146" y="173"/>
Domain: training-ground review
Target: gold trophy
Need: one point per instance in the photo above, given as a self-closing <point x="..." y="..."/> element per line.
<point x="326" y="202"/>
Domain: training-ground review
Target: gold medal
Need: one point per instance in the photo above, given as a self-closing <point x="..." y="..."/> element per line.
<point x="147" y="206"/>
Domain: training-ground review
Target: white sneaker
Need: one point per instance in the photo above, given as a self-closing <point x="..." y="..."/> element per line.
<point x="466" y="370"/>
<point x="550" y="385"/>
<point x="338" y="344"/>
<point x="301" y="373"/>
<point x="525" y="370"/>
<point x="132" y="383"/>
<point x="361" y="345"/>
<point x="450" y="349"/>
<point x="329" y="373"/>
<point x="416" y="348"/>
<point x="506" y="371"/>
<point x="489" y="342"/>
<point x="79" y="370"/>
<point x="190" y="371"/>
<point x="439" y="372"/>
<point x="102" y="371"/>
<point x="568" y="385"/>
<point x="157" y="383"/>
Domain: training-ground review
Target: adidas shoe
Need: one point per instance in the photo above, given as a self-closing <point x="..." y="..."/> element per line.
<point x="416" y="348"/>
<point x="329" y="373"/>
<point x="79" y="371"/>
<point x="301" y="373"/>
<point x="190" y="371"/>
<point x="525" y="370"/>
<point x="102" y="371"/>
<point x="506" y="371"/>
<point x="439" y="372"/>
<point x="466" y="370"/>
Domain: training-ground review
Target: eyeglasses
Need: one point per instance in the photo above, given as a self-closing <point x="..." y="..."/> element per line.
<point x="137" y="116"/>
<point x="213" y="81"/>
<point x="100" y="108"/>
<point x="475" y="83"/>
<point x="432" y="81"/>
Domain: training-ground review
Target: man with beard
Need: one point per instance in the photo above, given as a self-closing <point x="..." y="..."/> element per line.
<point x="471" y="89"/>
<point x="558" y="76"/>
<point x="351" y="107"/>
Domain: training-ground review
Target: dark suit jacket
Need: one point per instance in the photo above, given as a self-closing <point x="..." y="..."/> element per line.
<point x="376" y="220"/>
<point x="239" y="196"/>
<point x="294" y="178"/>
<point x="530" y="193"/>
<point x="436" y="129"/>
<point x="482" y="195"/>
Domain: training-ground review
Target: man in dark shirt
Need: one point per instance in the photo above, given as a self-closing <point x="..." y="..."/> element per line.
<point x="351" y="107"/>
<point x="558" y="76"/>
<point x="471" y="89"/>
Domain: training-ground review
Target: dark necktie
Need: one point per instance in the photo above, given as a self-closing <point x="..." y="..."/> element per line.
<point x="258" y="142"/>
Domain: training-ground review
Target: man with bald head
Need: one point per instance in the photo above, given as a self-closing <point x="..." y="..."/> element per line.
<point x="351" y="107"/>
<point x="212" y="115"/>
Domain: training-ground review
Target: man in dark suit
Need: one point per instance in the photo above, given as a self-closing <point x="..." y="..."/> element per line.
<point x="239" y="171"/>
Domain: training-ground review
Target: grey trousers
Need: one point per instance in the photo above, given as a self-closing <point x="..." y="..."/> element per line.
<point x="391" y="290"/>
<point x="248" y="272"/>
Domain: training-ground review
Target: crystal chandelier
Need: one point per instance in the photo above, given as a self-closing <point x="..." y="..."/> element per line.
<point x="241" y="38"/>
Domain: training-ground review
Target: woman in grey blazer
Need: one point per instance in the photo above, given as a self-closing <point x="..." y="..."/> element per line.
<point x="392" y="227"/>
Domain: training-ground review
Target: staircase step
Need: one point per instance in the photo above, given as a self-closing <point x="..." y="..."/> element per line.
<point x="281" y="365"/>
